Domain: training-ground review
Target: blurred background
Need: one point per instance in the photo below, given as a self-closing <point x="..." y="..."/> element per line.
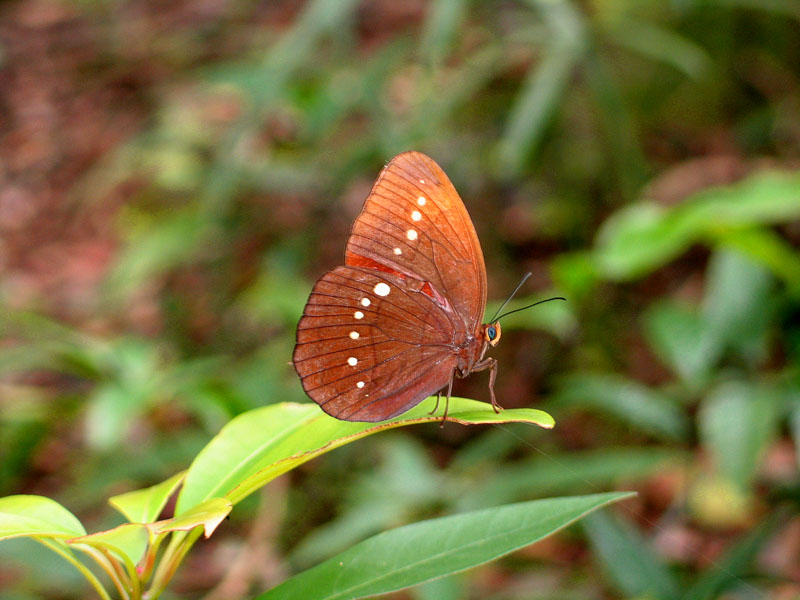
<point x="175" y="175"/>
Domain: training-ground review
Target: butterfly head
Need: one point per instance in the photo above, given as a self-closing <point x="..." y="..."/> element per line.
<point x="492" y="333"/>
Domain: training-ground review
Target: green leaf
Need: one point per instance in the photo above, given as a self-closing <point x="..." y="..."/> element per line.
<point x="662" y="44"/>
<point x="765" y="197"/>
<point x="438" y="100"/>
<point x="728" y="571"/>
<point x="49" y="524"/>
<point x="488" y="448"/>
<point x="269" y="78"/>
<point x="628" y="559"/>
<point x="620" y="132"/>
<point x="682" y="340"/>
<point x="132" y="366"/>
<point x="644" y="236"/>
<point x="128" y="541"/>
<point x="47" y="345"/>
<point x="627" y="401"/>
<point x="534" y="109"/>
<point x="156" y="248"/>
<point x="262" y="444"/>
<point x="144" y="506"/>
<point x="736" y="305"/>
<point x="638" y="239"/>
<point x="544" y="85"/>
<point x="575" y="273"/>
<point x="441" y="25"/>
<point x="209" y="514"/>
<point x="36" y="516"/>
<point x="769" y="249"/>
<point x="404" y="481"/>
<point x="691" y="341"/>
<point x="410" y="555"/>
<point x="453" y="587"/>
<point x="565" y="472"/>
<point x="278" y="294"/>
<point x="557" y="317"/>
<point x="295" y="48"/>
<point x="787" y="8"/>
<point x="737" y="421"/>
<point x="794" y="425"/>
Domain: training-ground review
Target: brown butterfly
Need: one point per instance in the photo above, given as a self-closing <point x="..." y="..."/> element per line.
<point x="403" y="317"/>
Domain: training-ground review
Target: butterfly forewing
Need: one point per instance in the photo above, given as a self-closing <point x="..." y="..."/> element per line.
<point x="369" y="347"/>
<point x="414" y="223"/>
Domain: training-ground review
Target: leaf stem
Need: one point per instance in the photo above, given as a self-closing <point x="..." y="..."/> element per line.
<point x="67" y="554"/>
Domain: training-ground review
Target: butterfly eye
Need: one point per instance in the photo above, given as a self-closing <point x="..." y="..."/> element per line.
<point x="492" y="333"/>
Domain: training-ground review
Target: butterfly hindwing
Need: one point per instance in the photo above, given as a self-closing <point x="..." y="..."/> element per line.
<point x="367" y="339"/>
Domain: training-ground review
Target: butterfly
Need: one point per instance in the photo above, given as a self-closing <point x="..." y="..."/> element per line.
<point x="403" y="317"/>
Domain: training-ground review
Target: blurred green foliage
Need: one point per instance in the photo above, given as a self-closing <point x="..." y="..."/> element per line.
<point x="639" y="157"/>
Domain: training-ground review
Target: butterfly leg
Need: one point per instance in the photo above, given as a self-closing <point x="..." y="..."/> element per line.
<point x="447" y="400"/>
<point x="491" y="364"/>
<point x="438" y="395"/>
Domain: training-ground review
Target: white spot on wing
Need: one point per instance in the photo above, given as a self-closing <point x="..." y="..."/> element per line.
<point x="354" y="335"/>
<point x="416" y="215"/>
<point x="358" y="314"/>
<point x="352" y="361"/>
<point x="422" y="181"/>
<point x="382" y="289"/>
<point x="411" y="234"/>
<point x="421" y="201"/>
<point x="398" y="251"/>
<point x="365" y="302"/>
<point x="360" y="384"/>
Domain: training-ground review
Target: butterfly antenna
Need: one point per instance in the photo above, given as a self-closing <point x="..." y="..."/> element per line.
<point x="511" y="312"/>
<point x="516" y="289"/>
